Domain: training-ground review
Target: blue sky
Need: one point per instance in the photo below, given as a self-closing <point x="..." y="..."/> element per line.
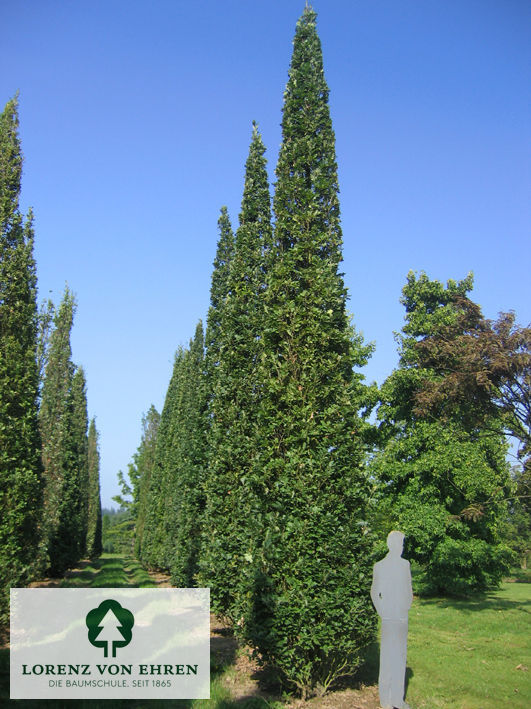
<point x="135" y="124"/>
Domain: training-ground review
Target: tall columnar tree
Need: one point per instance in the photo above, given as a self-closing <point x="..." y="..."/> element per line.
<point x="442" y="467"/>
<point x="233" y="477"/>
<point x="94" y="521"/>
<point x="78" y="479"/>
<point x="20" y="465"/>
<point x="144" y="462"/>
<point x="56" y="431"/>
<point x="154" y="547"/>
<point x="312" y="612"/>
<point x="139" y="474"/>
<point x="186" y="465"/>
<point x="218" y="293"/>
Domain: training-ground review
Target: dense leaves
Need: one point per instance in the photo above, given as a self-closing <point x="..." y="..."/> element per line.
<point x="233" y="442"/>
<point x="482" y="368"/>
<point x="442" y="470"/>
<point x="94" y="518"/>
<point x="140" y="471"/>
<point x="154" y="545"/>
<point x="310" y="611"/>
<point x="63" y="425"/>
<point x="20" y="465"/>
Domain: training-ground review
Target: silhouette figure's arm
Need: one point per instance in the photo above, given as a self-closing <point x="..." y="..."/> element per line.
<point x="376" y="589"/>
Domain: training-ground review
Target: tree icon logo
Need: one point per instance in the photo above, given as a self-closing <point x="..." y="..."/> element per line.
<point x="110" y="626"/>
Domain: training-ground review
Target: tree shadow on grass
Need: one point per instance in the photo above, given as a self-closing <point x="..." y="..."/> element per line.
<point x="484" y="602"/>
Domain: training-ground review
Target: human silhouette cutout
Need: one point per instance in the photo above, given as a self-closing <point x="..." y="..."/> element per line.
<point x="392" y="596"/>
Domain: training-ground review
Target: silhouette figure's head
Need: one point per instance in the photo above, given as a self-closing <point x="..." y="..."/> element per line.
<point x="395" y="543"/>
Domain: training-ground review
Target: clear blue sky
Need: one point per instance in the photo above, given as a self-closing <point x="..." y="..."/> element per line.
<point x="135" y="124"/>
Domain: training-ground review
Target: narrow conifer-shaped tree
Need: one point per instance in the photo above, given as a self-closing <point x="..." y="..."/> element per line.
<point x="142" y="465"/>
<point x="78" y="479"/>
<point x="20" y="464"/>
<point x="218" y="293"/>
<point x="187" y="463"/>
<point x="312" y="610"/>
<point x="233" y="480"/>
<point x="154" y="544"/>
<point x="56" y="432"/>
<point x="94" y="521"/>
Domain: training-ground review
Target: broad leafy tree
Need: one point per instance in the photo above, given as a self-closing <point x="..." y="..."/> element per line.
<point x="444" y="477"/>
<point x="482" y="367"/>
<point x="20" y="465"/>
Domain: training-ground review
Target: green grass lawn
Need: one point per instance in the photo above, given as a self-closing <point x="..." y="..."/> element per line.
<point x="110" y="571"/>
<point x="465" y="654"/>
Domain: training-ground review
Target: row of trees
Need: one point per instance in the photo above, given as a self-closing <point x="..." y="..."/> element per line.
<point x="264" y="477"/>
<point x="49" y="461"/>
<point x="256" y="485"/>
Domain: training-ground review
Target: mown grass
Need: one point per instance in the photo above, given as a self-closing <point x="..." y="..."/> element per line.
<point x="471" y="654"/>
<point x="109" y="571"/>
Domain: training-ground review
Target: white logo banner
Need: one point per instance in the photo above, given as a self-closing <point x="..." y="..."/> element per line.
<point x="104" y="643"/>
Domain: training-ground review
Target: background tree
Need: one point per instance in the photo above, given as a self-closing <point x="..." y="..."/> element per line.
<point x="233" y="432"/>
<point x="20" y="465"/>
<point x="78" y="478"/>
<point x="443" y="472"/>
<point x="185" y="498"/>
<point x="517" y="531"/>
<point x="45" y="320"/>
<point x="58" y="457"/>
<point x="154" y="547"/>
<point x="481" y="366"/>
<point x="140" y="471"/>
<point x="311" y="612"/>
<point x="94" y="515"/>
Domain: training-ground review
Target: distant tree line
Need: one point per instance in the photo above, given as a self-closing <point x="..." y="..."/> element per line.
<point x="266" y="478"/>
<point x="50" y="514"/>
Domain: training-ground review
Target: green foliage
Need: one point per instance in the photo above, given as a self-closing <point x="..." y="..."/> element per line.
<point x="117" y="531"/>
<point x="63" y="423"/>
<point x="79" y="476"/>
<point x="482" y="368"/>
<point x="174" y="495"/>
<point x="443" y="479"/>
<point x="310" y="612"/>
<point x="94" y="545"/>
<point x="154" y="538"/>
<point x="517" y="530"/>
<point x="185" y="497"/>
<point x="218" y="293"/>
<point x="20" y="465"/>
<point x="233" y="441"/>
<point x="140" y="471"/>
